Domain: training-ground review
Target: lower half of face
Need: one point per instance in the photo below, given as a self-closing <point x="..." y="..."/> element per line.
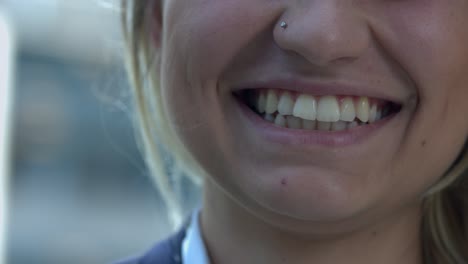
<point x="325" y="150"/>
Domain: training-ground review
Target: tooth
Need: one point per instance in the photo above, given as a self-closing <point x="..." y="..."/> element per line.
<point x="338" y="126"/>
<point x="328" y="109"/>
<point x="271" y="102"/>
<point x="348" y="113"/>
<point x="305" y="107"/>
<point x="308" y="124"/>
<point x="362" y="109"/>
<point x="261" y="103"/>
<point x="373" y="113"/>
<point x="293" y="122"/>
<point x="280" y="121"/>
<point x="269" y="117"/>
<point x="286" y="104"/>
<point x="323" y="126"/>
<point x="352" y="124"/>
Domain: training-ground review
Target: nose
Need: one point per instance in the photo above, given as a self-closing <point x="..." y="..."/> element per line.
<point x="324" y="32"/>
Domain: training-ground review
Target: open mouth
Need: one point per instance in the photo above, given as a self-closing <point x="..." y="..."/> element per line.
<point x="323" y="113"/>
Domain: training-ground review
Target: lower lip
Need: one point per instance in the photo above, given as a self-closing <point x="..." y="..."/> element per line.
<point x="298" y="137"/>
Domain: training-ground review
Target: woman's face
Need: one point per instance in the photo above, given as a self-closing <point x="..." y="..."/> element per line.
<point x="394" y="73"/>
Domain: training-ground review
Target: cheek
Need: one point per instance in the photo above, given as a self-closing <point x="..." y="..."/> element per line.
<point x="429" y="39"/>
<point x="210" y="33"/>
<point x="201" y="38"/>
<point x="435" y="57"/>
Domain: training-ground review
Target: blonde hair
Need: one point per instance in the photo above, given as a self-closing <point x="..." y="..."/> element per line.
<point x="443" y="231"/>
<point x="156" y="139"/>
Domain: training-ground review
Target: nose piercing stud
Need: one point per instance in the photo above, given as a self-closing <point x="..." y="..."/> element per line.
<point x="283" y="25"/>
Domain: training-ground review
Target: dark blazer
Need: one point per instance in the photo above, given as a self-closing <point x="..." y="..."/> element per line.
<point x="168" y="251"/>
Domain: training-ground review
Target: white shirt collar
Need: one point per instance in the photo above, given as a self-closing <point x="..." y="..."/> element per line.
<point x="193" y="247"/>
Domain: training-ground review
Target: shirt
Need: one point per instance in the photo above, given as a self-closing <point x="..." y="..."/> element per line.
<point x="193" y="247"/>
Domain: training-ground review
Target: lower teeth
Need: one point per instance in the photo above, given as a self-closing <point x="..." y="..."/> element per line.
<point x="298" y="123"/>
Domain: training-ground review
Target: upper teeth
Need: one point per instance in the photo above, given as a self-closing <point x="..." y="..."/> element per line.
<point x="323" y="109"/>
<point x="305" y="107"/>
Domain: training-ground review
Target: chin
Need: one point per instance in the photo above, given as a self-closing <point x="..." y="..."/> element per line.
<point x="313" y="195"/>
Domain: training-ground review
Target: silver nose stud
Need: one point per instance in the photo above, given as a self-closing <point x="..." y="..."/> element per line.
<point x="283" y="25"/>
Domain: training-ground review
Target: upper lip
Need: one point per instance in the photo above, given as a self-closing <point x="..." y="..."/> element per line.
<point x="321" y="88"/>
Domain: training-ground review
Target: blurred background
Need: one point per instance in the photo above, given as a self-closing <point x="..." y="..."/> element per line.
<point x="78" y="191"/>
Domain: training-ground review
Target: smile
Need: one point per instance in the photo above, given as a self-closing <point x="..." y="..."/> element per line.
<point x="329" y="116"/>
<point x="324" y="113"/>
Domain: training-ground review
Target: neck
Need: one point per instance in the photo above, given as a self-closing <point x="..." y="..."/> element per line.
<point x="233" y="235"/>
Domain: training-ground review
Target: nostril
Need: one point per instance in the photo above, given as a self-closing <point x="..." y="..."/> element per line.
<point x="326" y="36"/>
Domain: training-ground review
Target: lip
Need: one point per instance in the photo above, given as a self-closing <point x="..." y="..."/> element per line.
<point x="302" y="138"/>
<point x="322" y="88"/>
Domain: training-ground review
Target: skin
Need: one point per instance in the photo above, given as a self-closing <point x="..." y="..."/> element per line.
<point x="293" y="203"/>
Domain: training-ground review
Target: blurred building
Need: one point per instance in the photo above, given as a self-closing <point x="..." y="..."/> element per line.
<point x="79" y="191"/>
